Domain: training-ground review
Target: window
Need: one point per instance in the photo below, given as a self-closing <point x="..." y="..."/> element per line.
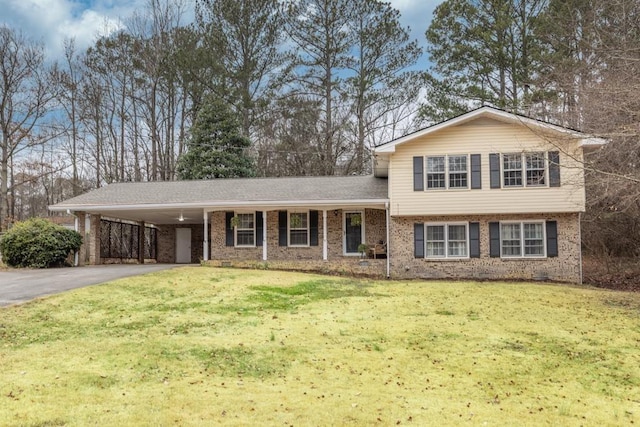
<point x="446" y="241"/>
<point x="530" y="165"/>
<point x="512" y="170"/>
<point x="298" y="229"/>
<point x="447" y="172"/>
<point x="435" y="172"/>
<point x="245" y="229"/>
<point x="535" y="163"/>
<point x="457" y="171"/>
<point x="522" y="239"/>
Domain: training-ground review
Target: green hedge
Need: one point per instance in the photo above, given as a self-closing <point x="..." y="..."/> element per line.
<point x="38" y="243"/>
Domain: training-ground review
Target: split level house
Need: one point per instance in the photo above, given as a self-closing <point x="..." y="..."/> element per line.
<point x="486" y="195"/>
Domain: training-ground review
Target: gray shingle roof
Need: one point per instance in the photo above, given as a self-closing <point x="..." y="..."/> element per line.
<point x="289" y="189"/>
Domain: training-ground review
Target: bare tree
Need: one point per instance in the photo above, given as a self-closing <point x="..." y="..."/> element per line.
<point x="25" y="95"/>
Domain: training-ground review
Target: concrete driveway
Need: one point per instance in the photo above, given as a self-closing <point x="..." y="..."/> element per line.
<point x="17" y="286"/>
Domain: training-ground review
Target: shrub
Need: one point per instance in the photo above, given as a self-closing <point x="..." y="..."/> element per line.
<point x="38" y="243"/>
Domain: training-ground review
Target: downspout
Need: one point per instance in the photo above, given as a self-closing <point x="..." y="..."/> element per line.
<point x="205" y="243"/>
<point x="580" y="244"/>
<point x="386" y="209"/>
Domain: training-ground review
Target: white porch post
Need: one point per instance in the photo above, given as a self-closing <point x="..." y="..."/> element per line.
<point x="76" y="254"/>
<point x="205" y="243"/>
<point x="264" y="235"/>
<point x="324" y="236"/>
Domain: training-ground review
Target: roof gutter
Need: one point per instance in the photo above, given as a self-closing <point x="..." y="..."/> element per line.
<point x="213" y="206"/>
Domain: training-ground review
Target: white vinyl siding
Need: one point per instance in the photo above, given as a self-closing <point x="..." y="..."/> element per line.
<point x="485" y="137"/>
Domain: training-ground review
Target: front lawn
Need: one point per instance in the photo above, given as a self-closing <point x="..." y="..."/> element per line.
<point x="202" y="346"/>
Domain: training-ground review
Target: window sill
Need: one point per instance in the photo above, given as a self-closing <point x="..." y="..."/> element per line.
<point x="447" y="259"/>
<point x="525" y="258"/>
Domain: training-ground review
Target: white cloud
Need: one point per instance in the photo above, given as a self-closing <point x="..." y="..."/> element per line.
<point x="51" y="21"/>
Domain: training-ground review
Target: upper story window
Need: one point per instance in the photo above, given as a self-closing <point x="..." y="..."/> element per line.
<point x="524" y="169"/>
<point x="447" y="172"/>
<point x="298" y="228"/>
<point x="245" y="229"/>
<point x="532" y="169"/>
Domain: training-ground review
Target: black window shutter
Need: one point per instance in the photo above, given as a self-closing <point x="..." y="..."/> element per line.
<point x="554" y="169"/>
<point x="418" y="173"/>
<point x="552" y="238"/>
<point x="313" y="228"/>
<point x="476" y="175"/>
<point x="494" y="169"/>
<point x="228" y="228"/>
<point x="259" y="228"/>
<point x="474" y="239"/>
<point x="494" y="239"/>
<point x="418" y="240"/>
<point x="282" y="228"/>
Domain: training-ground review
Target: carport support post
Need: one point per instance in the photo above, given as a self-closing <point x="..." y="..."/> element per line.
<point x="324" y="235"/>
<point x="94" y="240"/>
<point x="205" y="243"/>
<point x="80" y="227"/>
<point x="264" y="235"/>
<point x="141" y="242"/>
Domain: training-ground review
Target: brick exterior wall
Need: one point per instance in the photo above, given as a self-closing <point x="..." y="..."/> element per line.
<point x="374" y="226"/>
<point x="564" y="268"/>
<point x="167" y="242"/>
<point x="94" y="240"/>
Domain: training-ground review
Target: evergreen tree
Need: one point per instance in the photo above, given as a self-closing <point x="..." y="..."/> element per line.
<point x="484" y="52"/>
<point x="216" y="148"/>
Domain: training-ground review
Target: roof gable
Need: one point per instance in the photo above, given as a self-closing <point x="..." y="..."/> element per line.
<point x="485" y="114"/>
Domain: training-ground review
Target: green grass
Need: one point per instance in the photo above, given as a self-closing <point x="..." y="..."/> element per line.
<point x="201" y="346"/>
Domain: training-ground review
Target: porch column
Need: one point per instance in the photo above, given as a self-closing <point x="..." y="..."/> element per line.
<point x="324" y="236"/>
<point x="79" y="256"/>
<point x="141" y="242"/>
<point x="205" y="243"/>
<point x="94" y="240"/>
<point x="264" y="235"/>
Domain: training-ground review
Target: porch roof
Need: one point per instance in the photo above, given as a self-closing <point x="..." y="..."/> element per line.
<point x="165" y="202"/>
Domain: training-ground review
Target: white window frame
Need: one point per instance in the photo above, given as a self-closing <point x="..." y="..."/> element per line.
<point x="238" y="228"/>
<point x="447" y="172"/>
<point x="524" y="171"/>
<point x="446" y="226"/>
<point x="522" y="239"/>
<point x="289" y="228"/>
<point x="465" y="172"/>
<point x="443" y="172"/>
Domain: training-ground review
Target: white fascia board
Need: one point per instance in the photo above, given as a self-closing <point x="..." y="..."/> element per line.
<point x="592" y="142"/>
<point x="215" y="205"/>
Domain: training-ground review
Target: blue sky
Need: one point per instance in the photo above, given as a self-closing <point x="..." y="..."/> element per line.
<point x="51" y="21"/>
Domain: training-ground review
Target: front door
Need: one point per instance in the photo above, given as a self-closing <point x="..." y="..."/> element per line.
<point x="183" y="245"/>
<point x="353" y="235"/>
